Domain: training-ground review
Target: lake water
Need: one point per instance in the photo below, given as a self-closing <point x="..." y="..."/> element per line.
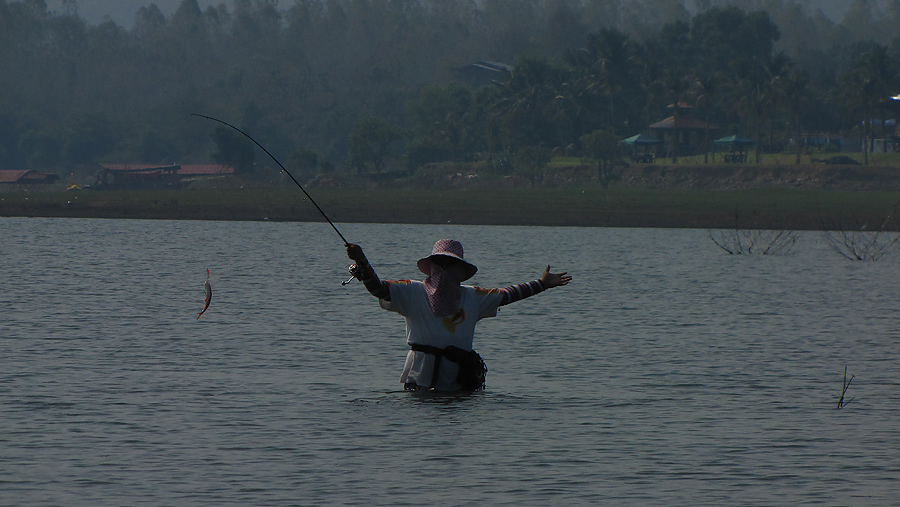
<point x="667" y="373"/>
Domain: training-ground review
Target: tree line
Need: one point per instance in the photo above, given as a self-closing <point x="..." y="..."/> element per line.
<point x="372" y="85"/>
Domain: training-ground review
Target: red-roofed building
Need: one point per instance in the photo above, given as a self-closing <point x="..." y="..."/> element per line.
<point x="205" y="170"/>
<point x="155" y="176"/>
<point x="137" y="176"/>
<point x="26" y="177"/>
<point x="693" y="134"/>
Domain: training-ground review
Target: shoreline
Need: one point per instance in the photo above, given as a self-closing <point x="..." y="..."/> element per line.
<point x="771" y="208"/>
<point x="472" y="216"/>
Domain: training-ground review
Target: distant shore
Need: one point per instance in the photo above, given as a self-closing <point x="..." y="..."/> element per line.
<point x="801" y="197"/>
<point x="581" y="206"/>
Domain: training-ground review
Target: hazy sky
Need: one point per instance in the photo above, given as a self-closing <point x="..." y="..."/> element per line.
<point x="122" y="11"/>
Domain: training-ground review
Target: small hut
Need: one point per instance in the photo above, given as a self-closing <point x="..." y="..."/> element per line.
<point x="643" y="148"/>
<point x="736" y="145"/>
<point x="689" y="131"/>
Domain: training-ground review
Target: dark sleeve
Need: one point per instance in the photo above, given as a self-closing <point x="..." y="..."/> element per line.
<point x="374" y="285"/>
<point x="514" y="293"/>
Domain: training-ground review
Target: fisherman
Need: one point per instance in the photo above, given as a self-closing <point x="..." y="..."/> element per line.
<point x="441" y="314"/>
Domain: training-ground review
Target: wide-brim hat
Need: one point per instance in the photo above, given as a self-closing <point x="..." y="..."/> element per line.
<point x="448" y="248"/>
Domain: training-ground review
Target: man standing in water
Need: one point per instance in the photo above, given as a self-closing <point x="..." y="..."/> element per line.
<point x="441" y="314"/>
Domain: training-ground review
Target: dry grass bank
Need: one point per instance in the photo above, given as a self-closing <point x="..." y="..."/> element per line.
<point x="582" y="205"/>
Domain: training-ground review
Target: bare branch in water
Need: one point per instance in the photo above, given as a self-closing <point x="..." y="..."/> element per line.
<point x="862" y="243"/>
<point x="754" y="241"/>
<point x="748" y="239"/>
<point x="846" y="385"/>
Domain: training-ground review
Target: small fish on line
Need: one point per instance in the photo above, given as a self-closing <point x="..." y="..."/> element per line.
<point x="208" y="288"/>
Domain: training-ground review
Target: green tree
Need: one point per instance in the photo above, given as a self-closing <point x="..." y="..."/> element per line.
<point x="42" y="149"/>
<point x="527" y="103"/>
<point x="858" y="17"/>
<point x="314" y="68"/>
<point x="12" y="154"/>
<point x="149" y="24"/>
<point x="304" y="159"/>
<point x="563" y="26"/>
<point x="748" y="100"/>
<point x="604" y="146"/>
<point x="233" y="149"/>
<point x="513" y="24"/>
<point x="796" y="94"/>
<point x="440" y="117"/>
<point x="155" y="148"/>
<point x="872" y="79"/>
<point x="604" y="85"/>
<point x="88" y="137"/>
<point x="777" y="70"/>
<point x="708" y="90"/>
<point x="531" y="161"/>
<point x="728" y="37"/>
<point x="370" y="143"/>
<point x="676" y="88"/>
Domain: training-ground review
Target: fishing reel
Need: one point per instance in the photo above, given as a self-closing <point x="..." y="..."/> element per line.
<point x="355" y="272"/>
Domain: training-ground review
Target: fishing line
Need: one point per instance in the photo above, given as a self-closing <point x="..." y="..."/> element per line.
<point x="282" y="168"/>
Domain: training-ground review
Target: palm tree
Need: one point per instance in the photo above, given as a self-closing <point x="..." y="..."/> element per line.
<point x="604" y="69"/>
<point x="676" y="88"/>
<point x="796" y="91"/>
<point x="873" y="78"/>
<point x="527" y="100"/>
<point x="777" y="70"/>
<point x="751" y="97"/>
<point x="707" y="90"/>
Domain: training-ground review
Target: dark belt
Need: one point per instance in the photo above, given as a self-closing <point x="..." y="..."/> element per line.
<point x="438" y="353"/>
<point x="471" y="366"/>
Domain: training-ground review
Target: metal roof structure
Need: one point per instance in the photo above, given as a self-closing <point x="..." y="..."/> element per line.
<point x="640" y="139"/>
<point x="154" y="176"/>
<point x="26" y="176"/>
<point x="735" y="139"/>
<point x="682" y="122"/>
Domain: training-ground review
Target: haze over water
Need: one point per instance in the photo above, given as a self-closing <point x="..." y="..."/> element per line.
<point x="667" y="373"/>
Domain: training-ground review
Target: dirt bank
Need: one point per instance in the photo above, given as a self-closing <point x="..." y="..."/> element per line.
<point x="726" y="196"/>
<point x="668" y="177"/>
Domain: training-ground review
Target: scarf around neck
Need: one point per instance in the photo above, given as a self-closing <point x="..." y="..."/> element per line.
<point x="442" y="288"/>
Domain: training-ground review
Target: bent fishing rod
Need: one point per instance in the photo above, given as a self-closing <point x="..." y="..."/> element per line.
<point x="283" y="169"/>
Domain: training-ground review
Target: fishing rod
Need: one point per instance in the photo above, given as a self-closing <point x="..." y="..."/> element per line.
<point x="283" y="169"/>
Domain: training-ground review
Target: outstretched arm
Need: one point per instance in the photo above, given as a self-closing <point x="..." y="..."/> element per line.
<point x="520" y="291"/>
<point x="550" y="280"/>
<point x="366" y="274"/>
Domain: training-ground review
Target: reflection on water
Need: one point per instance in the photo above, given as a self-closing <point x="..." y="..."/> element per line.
<point x="667" y="373"/>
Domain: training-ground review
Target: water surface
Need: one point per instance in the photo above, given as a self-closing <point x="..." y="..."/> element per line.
<point x="667" y="373"/>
